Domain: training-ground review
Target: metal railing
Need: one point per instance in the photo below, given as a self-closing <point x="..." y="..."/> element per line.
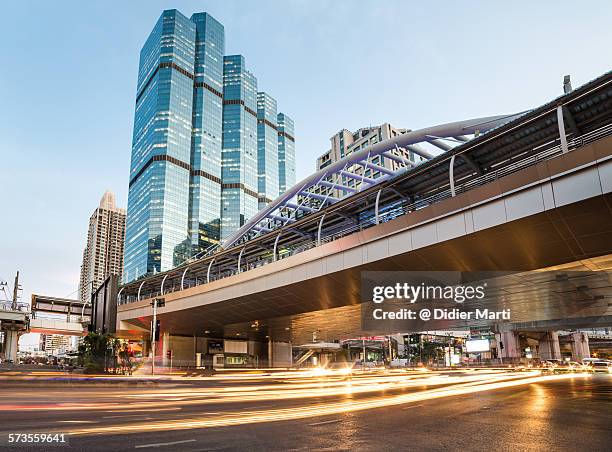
<point x="8" y="306"/>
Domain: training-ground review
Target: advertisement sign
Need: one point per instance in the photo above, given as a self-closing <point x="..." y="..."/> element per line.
<point x="477" y="345"/>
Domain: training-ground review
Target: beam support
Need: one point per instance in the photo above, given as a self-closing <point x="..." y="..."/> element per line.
<point x="321" y="197"/>
<point x="161" y="289"/>
<point x="561" y="124"/>
<point x="299" y="207"/>
<point x="319" y="230"/>
<point x="139" y="289"/>
<point x="376" y="207"/>
<point x="208" y="271"/>
<point x="240" y="257"/>
<point x="183" y="278"/>
<point x="451" y="175"/>
<point x="332" y="185"/>
<point x="379" y="168"/>
<point x="418" y="150"/>
<point x="367" y="180"/>
<point x="275" y="249"/>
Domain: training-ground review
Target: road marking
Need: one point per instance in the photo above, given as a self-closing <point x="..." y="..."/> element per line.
<point x="324" y="422"/>
<point x="141" y="446"/>
<point x="131" y="410"/>
<point x="76" y="422"/>
<point x="125" y="415"/>
<point x="411" y="406"/>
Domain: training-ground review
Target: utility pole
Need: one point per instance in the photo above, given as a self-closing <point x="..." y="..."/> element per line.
<point x="15" y="291"/>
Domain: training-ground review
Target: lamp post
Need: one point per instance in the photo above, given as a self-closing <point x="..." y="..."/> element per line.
<point x="157" y="302"/>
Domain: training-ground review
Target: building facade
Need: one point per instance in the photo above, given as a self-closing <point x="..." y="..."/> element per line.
<point x="346" y="142"/>
<point x="239" y="156"/>
<point x="267" y="149"/>
<point x="193" y="172"/>
<point x="207" y="127"/>
<point x="103" y="254"/>
<point x="286" y="152"/>
<point x="55" y="344"/>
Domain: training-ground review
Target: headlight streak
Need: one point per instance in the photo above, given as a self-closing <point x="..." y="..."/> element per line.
<point x="245" y="416"/>
<point x="323" y="388"/>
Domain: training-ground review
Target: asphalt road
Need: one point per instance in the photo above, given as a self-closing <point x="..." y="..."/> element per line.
<point x="398" y="411"/>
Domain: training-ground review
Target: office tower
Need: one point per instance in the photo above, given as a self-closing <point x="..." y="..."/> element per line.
<point x="239" y="198"/>
<point x="193" y="172"/>
<point x="103" y="254"/>
<point x="286" y="152"/>
<point x="205" y="186"/>
<point x="158" y="198"/>
<point x="345" y="142"/>
<point x="267" y="149"/>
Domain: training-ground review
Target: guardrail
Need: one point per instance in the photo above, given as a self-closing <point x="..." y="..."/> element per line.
<point x="8" y="306"/>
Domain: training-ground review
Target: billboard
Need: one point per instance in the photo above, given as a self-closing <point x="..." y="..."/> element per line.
<point x="104" y="306"/>
<point x="477" y="345"/>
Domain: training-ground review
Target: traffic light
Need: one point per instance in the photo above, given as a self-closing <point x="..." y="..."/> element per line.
<point x="157" y="328"/>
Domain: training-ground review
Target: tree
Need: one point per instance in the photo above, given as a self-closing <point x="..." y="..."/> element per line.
<point x="104" y="353"/>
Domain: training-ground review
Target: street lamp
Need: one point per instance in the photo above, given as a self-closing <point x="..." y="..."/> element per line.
<point x="156" y="303"/>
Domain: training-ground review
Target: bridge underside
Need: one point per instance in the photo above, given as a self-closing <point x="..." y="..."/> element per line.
<point x="576" y="237"/>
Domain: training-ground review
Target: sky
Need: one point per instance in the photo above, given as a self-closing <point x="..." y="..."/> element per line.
<point x="69" y="71"/>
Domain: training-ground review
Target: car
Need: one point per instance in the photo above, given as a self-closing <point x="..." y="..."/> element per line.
<point x="551" y="364"/>
<point x="575" y="366"/>
<point x="601" y="366"/>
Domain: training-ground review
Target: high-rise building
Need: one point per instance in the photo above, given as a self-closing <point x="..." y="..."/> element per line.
<point x="239" y="157"/>
<point x="205" y="187"/>
<point x="286" y="153"/>
<point x="345" y="142"/>
<point x="55" y="344"/>
<point x="103" y="254"/>
<point x="193" y="174"/>
<point x="267" y="149"/>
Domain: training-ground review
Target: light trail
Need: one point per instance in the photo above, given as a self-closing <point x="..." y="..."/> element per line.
<point x="321" y="409"/>
<point x="283" y="391"/>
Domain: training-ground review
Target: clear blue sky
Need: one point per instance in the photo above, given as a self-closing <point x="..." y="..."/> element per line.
<point x="68" y="80"/>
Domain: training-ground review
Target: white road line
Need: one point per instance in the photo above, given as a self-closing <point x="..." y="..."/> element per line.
<point x="141" y="446"/>
<point x="324" y="422"/>
<point x="77" y="422"/>
<point x="411" y="406"/>
<point x="119" y="416"/>
<point x="131" y="410"/>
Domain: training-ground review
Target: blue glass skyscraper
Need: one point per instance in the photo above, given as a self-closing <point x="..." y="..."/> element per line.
<point x="286" y="152"/>
<point x="158" y="200"/>
<point x="267" y="149"/>
<point x="205" y="186"/>
<point x="239" y="156"/>
<point x="193" y="172"/>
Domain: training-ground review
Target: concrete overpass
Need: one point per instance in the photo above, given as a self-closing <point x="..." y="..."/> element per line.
<point x="534" y="193"/>
<point x="53" y="315"/>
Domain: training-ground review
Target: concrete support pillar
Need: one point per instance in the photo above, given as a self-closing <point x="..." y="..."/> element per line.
<point x="11" y="340"/>
<point x="511" y="346"/>
<point x="162" y="350"/>
<point x="549" y="346"/>
<point x="270" y="352"/>
<point x="279" y="354"/>
<point x="182" y="348"/>
<point x="580" y="346"/>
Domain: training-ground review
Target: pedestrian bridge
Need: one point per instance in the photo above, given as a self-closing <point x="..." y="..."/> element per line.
<point x="532" y="193"/>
